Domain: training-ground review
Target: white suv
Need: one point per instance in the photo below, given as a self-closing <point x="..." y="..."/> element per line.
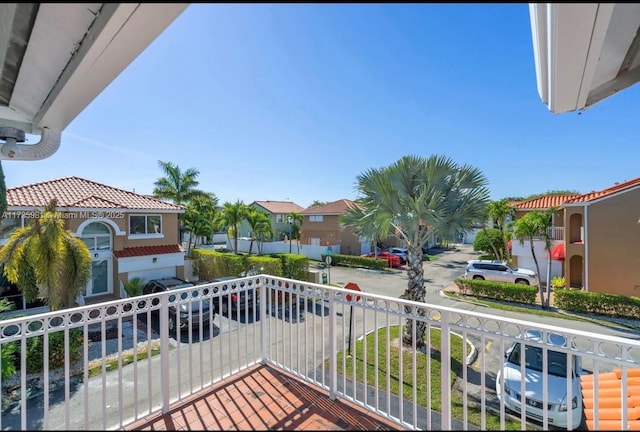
<point x="499" y="271"/>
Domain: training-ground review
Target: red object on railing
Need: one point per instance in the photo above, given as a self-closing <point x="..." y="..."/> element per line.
<point x="354" y="287"/>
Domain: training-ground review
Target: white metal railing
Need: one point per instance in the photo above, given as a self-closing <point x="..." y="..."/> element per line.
<point x="312" y="331"/>
<point x="556" y="233"/>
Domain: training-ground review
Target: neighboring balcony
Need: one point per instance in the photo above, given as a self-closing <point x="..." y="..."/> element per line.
<point x="293" y="359"/>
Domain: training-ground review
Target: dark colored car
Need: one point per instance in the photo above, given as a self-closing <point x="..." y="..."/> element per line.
<point x="197" y="312"/>
<point x="234" y="302"/>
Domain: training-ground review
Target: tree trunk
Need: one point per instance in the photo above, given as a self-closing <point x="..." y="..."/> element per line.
<point x="540" y="291"/>
<point x="415" y="291"/>
<point x="493" y="247"/>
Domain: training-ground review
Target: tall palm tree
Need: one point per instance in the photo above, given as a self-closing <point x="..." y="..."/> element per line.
<point x="231" y="216"/>
<point x="296" y="219"/>
<point x="46" y="261"/>
<point x="535" y="224"/>
<point x="177" y="186"/>
<point x="260" y="225"/>
<point x="412" y="199"/>
<point x="498" y="211"/>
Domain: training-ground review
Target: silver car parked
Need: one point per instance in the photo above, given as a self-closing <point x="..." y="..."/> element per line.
<point x="499" y="271"/>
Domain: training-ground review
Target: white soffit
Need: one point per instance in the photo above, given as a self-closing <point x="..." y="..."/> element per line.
<point x="584" y="52"/>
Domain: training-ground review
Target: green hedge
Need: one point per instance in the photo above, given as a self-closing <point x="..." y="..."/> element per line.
<point x="604" y="304"/>
<point x="210" y="264"/>
<point x="506" y="291"/>
<point x="357" y="261"/>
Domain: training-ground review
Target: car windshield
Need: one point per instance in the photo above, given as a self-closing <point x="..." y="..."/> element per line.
<point x="557" y="361"/>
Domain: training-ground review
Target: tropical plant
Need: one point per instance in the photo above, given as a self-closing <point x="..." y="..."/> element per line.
<point x="296" y="219"/>
<point x="558" y="282"/>
<point x="46" y="261"/>
<point x="8" y="350"/>
<point x="486" y="241"/>
<point x="497" y="212"/>
<point x="199" y="217"/>
<point x="134" y="286"/>
<point x="177" y="186"/>
<point x="260" y="227"/>
<point x="412" y="199"/>
<point x="535" y="224"/>
<point x="317" y="203"/>
<point x="231" y="216"/>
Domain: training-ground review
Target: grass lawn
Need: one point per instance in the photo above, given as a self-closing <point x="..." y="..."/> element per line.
<point x="388" y="373"/>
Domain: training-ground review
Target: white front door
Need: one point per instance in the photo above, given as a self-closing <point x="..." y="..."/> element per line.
<point x="97" y="237"/>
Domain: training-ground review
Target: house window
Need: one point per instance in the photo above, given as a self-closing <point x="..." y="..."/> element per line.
<point x="313" y="241"/>
<point x="97" y="237"/>
<point x="315" y="218"/>
<point x="280" y="218"/>
<point x="145" y="224"/>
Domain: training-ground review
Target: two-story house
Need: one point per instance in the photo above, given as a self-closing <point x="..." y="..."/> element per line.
<point x="321" y="227"/>
<point x="277" y="212"/>
<point x="521" y="252"/>
<point x="596" y="237"/>
<point x="128" y="234"/>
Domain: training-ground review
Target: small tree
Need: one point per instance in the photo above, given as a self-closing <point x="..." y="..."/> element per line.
<point x="46" y="261"/>
<point x="534" y="225"/>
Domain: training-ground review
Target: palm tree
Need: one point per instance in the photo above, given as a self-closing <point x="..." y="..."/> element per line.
<point x="296" y="219"/>
<point x="535" y="224"/>
<point x="498" y="211"/>
<point x="199" y="217"/>
<point x="260" y="225"/>
<point x="177" y="186"/>
<point x="231" y="216"/>
<point x="412" y="199"/>
<point x="47" y="262"/>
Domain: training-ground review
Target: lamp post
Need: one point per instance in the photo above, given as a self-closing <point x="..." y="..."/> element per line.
<point x="290" y="221"/>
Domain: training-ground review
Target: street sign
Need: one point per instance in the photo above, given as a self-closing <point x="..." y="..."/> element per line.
<point x="327" y="260"/>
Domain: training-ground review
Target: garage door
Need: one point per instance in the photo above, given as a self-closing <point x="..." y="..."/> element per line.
<point x="158" y="273"/>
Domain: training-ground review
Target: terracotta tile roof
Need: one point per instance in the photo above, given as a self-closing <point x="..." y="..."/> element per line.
<point x="333" y="208"/>
<point x="609" y="387"/>
<point x="76" y="192"/>
<point x="544" y="202"/>
<point x="147" y="250"/>
<point x="279" y="207"/>
<point x="618" y="187"/>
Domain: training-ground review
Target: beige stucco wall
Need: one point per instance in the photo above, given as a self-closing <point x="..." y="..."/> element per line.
<point x="330" y="232"/>
<point x="613" y="245"/>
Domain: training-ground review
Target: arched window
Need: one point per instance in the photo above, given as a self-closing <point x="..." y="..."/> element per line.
<point x="97" y="236"/>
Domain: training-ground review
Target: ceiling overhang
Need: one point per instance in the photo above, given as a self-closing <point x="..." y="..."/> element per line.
<point x="56" y="58"/>
<point x="584" y="52"/>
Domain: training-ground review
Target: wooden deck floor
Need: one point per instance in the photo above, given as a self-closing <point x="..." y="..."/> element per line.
<point x="264" y="398"/>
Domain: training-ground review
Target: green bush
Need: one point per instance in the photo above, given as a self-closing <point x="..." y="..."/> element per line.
<point x="558" y="282"/>
<point x="498" y="290"/>
<point x="35" y="352"/>
<point x="602" y="304"/>
<point x="357" y="261"/>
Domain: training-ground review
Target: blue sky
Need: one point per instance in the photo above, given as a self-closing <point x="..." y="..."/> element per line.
<point x="293" y="101"/>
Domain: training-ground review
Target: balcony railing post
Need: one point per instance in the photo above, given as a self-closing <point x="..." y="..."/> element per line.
<point x="445" y="364"/>
<point x="164" y="352"/>
<point x="263" y="316"/>
<point x="333" y="355"/>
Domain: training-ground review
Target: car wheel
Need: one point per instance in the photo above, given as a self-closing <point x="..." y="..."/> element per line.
<point x="522" y="282"/>
<point x="476" y="277"/>
<point x="225" y="308"/>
